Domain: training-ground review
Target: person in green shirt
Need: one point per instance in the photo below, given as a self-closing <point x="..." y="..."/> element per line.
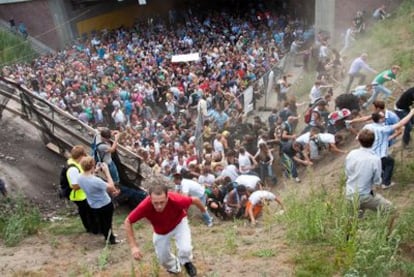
<point x="378" y="84"/>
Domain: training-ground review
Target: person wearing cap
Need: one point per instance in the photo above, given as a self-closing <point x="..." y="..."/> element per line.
<point x="192" y="188"/>
<point x="357" y="65"/>
<point x="256" y="202"/>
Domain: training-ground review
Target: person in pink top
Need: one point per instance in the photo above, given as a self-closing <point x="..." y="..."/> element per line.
<point x="167" y="212"/>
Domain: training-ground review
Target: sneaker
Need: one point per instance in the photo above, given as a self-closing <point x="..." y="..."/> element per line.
<point x="115" y="241"/>
<point x="191" y="269"/>
<point x="297" y="180"/>
<point x="387" y="187"/>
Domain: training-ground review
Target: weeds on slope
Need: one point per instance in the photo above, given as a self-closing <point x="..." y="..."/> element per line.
<point x="18" y="219"/>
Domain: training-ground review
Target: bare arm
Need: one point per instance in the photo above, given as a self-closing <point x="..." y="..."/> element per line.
<point x="198" y="204"/>
<point x="279" y="201"/>
<point x="403" y="121"/>
<point x="115" y="144"/>
<point x="335" y="149"/>
<point x="249" y="212"/>
<point x="303" y="162"/>
<point x="361" y="119"/>
<point x="135" y="251"/>
<point x="109" y="182"/>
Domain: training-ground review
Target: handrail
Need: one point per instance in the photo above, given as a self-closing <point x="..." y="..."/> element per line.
<point x="66" y="129"/>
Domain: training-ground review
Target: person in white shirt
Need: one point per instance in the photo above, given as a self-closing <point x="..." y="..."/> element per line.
<point x="206" y="178"/>
<point x="256" y="201"/>
<point x="246" y="161"/>
<point x="218" y="146"/>
<point x="251" y="182"/>
<point x="231" y="171"/>
<point x="316" y="92"/>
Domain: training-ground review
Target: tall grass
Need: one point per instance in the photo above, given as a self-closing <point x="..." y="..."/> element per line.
<point x="14" y="49"/>
<point x="18" y="219"/>
<point x="325" y="226"/>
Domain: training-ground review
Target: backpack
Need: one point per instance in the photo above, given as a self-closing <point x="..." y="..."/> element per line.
<point x="65" y="189"/>
<point x="94" y="151"/>
<point x="308" y="115"/>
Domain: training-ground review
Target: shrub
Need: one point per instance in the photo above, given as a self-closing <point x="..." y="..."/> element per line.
<point x="14" y="49"/>
<point x="18" y="219"/>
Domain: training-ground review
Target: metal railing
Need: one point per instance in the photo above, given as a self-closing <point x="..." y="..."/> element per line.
<point x="61" y="128"/>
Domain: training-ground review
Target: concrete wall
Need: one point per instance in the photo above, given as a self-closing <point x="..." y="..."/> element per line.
<point x="325" y="15"/>
<point x="37" y="17"/>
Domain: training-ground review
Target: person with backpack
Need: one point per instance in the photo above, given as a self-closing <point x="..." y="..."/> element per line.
<point x="77" y="195"/>
<point x="102" y="149"/>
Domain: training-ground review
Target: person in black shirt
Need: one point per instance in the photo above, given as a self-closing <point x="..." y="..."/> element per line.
<point x="402" y="108"/>
<point x="291" y="155"/>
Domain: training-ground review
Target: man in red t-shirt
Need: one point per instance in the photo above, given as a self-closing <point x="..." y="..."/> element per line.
<point x="167" y="212"/>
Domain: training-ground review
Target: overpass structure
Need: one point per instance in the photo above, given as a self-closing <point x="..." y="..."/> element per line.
<point x="61" y="131"/>
<point x="58" y="22"/>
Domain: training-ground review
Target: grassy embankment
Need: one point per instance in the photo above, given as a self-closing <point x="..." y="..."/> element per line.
<point x="14" y="49"/>
<point x="323" y="238"/>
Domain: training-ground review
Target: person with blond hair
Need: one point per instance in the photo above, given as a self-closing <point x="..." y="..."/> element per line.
<point x="77" y="195"/>
<point x="96" y="191"/>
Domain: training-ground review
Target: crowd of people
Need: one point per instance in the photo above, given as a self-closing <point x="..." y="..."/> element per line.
<point x="124" y="79"/>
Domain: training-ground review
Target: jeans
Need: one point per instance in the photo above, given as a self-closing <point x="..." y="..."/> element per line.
<point x="114" y="172"/>
<point x="387" y="164"/>
<point x="407" y="128"/>
<point x="377" y="90"/>
<point x="351" y="80"/>
<point x="265" y="169"/>
<point x="182" y="235"/>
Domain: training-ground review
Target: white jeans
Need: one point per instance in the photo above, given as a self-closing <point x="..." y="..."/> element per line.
<point x="182" y="235"/>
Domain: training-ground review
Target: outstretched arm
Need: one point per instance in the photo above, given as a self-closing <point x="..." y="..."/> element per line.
<point x="135" y="251"/>
<point x="403" y="121"/>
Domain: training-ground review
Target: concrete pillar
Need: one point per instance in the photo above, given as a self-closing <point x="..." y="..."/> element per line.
<point x="325" y="16"/>
<point x="61" y="21"/>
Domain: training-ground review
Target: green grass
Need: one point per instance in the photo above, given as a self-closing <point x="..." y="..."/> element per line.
<point x="18" y="219"/>
<point x="264" y="253"/>
<point x="66" y="227"/>
<point x="14" y="49"/>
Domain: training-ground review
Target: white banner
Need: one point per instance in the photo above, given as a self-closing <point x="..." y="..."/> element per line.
<point x="185" y="58"/>
<point x="248" y="100"/>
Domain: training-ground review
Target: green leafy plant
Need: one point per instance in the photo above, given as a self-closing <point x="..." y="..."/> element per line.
<point x="18" y="219"/>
